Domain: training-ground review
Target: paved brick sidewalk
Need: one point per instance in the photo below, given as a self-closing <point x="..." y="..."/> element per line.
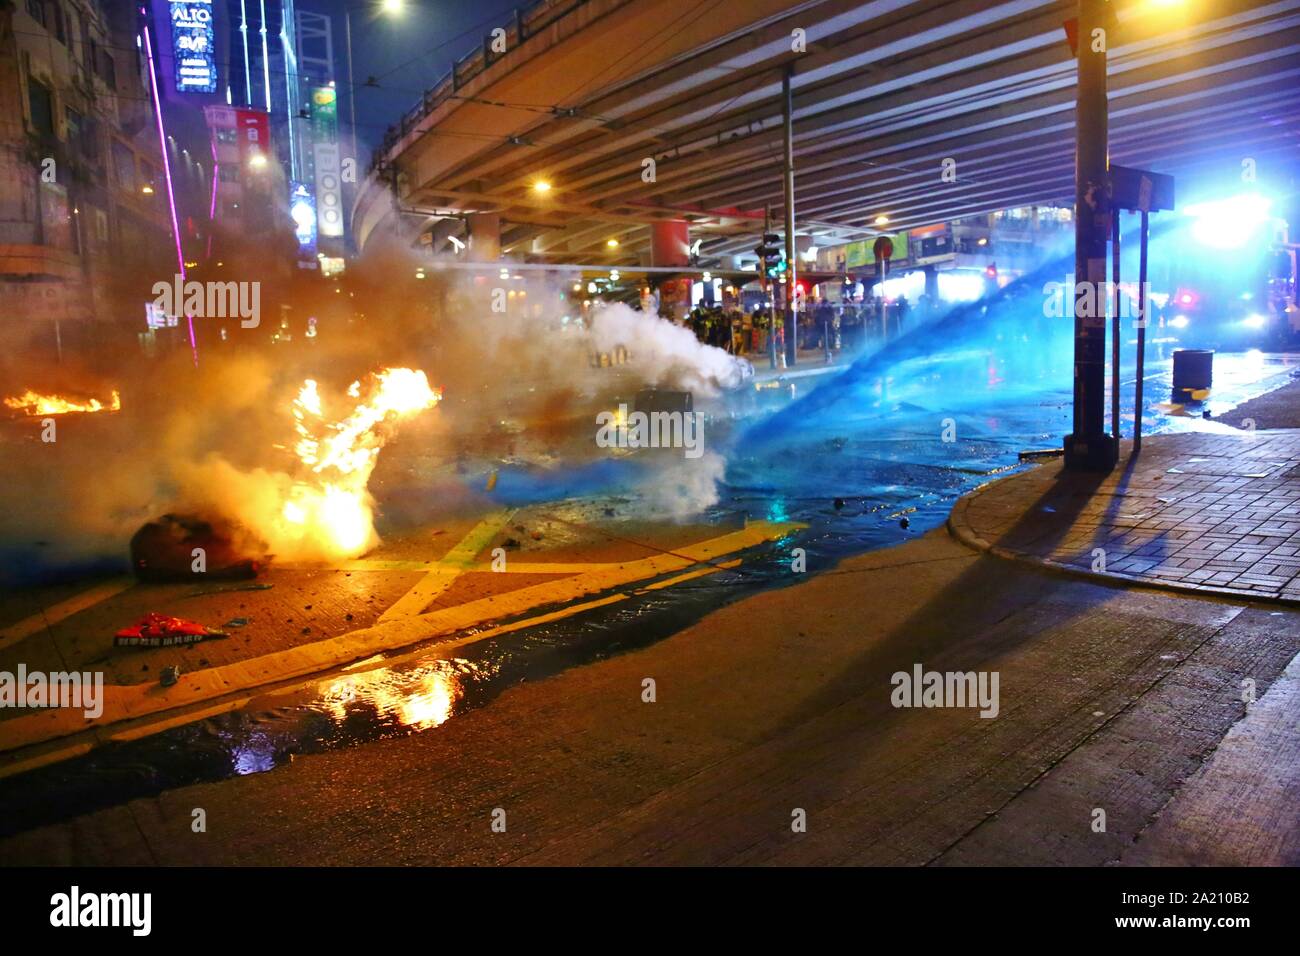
<point x="1207" y="512"/>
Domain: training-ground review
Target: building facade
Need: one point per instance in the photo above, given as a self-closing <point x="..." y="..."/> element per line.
<point x="82" y="211"/>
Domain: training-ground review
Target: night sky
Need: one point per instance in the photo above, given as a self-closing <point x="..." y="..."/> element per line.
<point x="407" y="53"/>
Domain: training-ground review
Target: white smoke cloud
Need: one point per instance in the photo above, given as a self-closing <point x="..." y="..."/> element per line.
<point x="216" y="441"/>
<point x="665" y="353"/>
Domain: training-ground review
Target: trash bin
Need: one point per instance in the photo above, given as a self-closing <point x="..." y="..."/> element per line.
<point x="1193" y="369"/>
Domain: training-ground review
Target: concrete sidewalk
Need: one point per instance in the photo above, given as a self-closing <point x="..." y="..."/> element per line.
<point x="1215" y="513"/>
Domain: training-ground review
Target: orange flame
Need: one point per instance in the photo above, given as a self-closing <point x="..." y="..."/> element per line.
<point x="332" y="505"/>
<point x="35" y="404"/>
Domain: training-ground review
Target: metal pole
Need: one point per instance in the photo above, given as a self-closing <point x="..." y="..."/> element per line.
<point x="352" y="88"/>
<point x="1114" y="326"/>
<point x="791" y="331"/>
<point x="1088" y="447"/>
<point x="768" y="293"/>
<point x="1142" y="336"/>
<point x="883" y="273"/>
<point x="828" y="320"/>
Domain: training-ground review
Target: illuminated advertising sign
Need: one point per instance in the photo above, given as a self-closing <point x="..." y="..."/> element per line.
<point x="325" y="158"/>
<point x="193" y="46"/>
<point x="156" y="318"/>
<point x="302" y="209"/>
<point x="324" y="114"/>
<point x="329" y="189"/>
<point x="254" y="132"/>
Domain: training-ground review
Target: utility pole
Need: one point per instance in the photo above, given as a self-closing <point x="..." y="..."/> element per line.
<point x="769" y="293"/>
<point x="352" y="86"/>
<point x="1088" y="447"/>
<point x="791" y="331"/>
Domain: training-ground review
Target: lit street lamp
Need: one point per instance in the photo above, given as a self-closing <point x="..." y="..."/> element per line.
<point x="389" y="7"/>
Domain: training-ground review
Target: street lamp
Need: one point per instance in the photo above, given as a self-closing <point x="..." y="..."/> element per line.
<point x="390" y="7"/>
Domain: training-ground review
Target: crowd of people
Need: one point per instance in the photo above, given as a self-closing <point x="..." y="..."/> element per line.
<point x="841" y="326"/>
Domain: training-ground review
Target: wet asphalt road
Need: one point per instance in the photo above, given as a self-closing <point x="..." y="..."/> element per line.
<point x="860" y="453"/>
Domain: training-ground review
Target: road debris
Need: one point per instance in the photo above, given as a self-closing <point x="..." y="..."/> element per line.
<point x="159" y="630"/>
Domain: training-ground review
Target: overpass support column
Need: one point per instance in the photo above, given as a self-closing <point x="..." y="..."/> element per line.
<point x="670" y="243"/>
<point x="670" y="248"/>
<point x="791" y="316"/>
<point x="1088" y="447"/>
<point x="484" y="236"/>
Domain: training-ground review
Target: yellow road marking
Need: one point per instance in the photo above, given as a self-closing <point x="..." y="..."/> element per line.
<point x="372" y="564"/>
<point x="166" y="723"/>
<point x="64" y="609"/>
<point x="574" y="609"/>
<point x="125" y="702"/>
<point x="544" y="567"/>
<point x="712" y="569"/>
<point x="512" y="567"/>
<point x="447" y="570"/>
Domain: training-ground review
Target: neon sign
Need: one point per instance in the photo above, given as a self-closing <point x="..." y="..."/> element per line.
<point x="193" y="46"/>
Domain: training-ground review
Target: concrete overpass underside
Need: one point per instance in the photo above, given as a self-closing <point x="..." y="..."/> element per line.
<point x="884" y="92"/>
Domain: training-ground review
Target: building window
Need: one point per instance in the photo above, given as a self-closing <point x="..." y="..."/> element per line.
<point x="87" y="49"/>
<point x="124" y="166"/>
<point x="75" y="130"/>
<point x="36" y="10"/>
<point x="41" y="103"/>
<point x="98" y="225"/>
<point x="58" y="24"/>
<point x="90" y="139"/>
<point x="107" y="69"/>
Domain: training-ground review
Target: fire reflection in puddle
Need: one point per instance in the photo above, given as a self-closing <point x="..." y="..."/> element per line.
<point x="415" y="698"/>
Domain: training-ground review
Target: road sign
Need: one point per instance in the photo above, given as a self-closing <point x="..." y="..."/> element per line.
<point x="883" y="247"/>
<point x="1140" y="189"/>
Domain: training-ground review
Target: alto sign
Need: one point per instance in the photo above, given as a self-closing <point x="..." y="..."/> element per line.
<point x="193" y="46"/>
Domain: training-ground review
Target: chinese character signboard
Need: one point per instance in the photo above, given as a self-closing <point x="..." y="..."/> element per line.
<point x="324" y="115"/>
<point x="193" y="46"/>
<point x="254" y="131"/>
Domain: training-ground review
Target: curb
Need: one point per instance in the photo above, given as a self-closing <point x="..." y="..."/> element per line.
<point x="125" y="705"/>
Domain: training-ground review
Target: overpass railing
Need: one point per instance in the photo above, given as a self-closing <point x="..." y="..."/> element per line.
<point x="527" y="21"/>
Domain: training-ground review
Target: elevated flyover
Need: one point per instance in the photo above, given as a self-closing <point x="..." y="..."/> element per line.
<point x="884" y="91"/>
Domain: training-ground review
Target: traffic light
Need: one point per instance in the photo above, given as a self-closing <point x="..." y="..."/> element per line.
<point x="771" y="254"/>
